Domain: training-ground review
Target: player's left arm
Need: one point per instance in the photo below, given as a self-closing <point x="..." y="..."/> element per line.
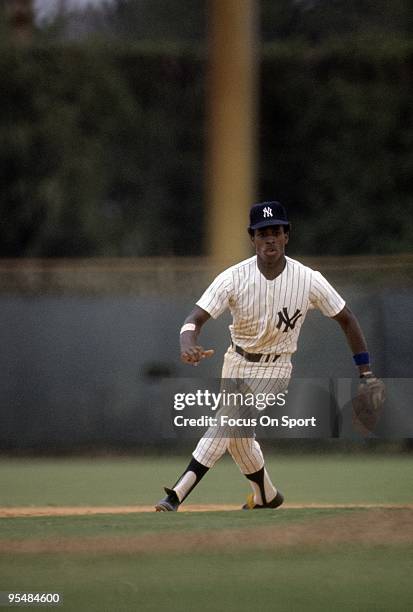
<point x="354" y="334"/>
<point x="368" y="402"/>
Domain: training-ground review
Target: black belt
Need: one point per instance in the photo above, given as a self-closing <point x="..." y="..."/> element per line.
<point x="255" y="357"/>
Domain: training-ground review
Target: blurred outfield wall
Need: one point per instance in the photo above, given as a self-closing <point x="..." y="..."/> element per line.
<point x="87" y="344"/>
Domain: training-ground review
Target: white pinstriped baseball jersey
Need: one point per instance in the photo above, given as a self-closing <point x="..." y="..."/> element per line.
<point x="268" y="314"/>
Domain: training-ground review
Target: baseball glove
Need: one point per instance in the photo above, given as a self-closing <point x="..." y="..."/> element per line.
<point x="368" y="404"/>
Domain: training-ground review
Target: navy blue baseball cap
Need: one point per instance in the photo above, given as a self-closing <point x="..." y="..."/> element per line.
<point x="267" y="213"/>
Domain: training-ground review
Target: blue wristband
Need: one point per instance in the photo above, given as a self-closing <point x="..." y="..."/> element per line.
<point x="361" y="359"/>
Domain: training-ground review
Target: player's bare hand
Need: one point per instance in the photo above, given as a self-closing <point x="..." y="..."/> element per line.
<point x="195" y="354"/>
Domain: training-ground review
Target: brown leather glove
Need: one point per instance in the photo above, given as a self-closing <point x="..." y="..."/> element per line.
<point x="368" y="403"/>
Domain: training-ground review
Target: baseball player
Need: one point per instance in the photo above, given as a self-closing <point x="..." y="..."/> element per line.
<point x="269" y="296"/>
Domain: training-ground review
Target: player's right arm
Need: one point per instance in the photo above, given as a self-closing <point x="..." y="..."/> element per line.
<point x="212" y="303"/>
<point x="191" y="351"/>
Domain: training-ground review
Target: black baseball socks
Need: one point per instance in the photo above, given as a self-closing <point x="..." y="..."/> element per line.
<point x="264" y="490"/>
<point x="189" y="479"/>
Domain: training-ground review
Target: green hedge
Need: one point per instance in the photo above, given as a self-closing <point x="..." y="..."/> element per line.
<point x="100" y="151"/>
<point x="336" y="144"/>
<point x="102" y="147"/>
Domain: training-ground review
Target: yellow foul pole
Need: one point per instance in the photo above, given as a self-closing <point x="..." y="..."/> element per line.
<point x="231" y="126"/>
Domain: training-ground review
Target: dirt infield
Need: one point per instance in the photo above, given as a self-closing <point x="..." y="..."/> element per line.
<point x="379" y="526"/>
<point x="14" y="512"/>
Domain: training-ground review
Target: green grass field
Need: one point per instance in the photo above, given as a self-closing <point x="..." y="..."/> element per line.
<point x="291" y="559"/>
<point x="302" y="478"/>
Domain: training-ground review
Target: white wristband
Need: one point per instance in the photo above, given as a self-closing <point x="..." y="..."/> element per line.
<point x="188" y="327"/>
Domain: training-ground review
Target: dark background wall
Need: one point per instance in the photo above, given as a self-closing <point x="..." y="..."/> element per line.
<point x="89" y="363"/>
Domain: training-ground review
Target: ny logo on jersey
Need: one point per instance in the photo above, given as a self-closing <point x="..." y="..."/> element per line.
<point x="267" y="212"/>
<point x="289" y="322"/>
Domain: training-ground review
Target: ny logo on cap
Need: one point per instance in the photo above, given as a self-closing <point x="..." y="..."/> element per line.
<point x="267" y="212"/>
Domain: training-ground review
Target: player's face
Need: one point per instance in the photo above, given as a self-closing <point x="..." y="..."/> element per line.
<point x="270" y="243"/>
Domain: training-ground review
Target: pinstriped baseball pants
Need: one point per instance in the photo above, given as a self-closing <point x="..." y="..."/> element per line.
<point x="257" y="378"/>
